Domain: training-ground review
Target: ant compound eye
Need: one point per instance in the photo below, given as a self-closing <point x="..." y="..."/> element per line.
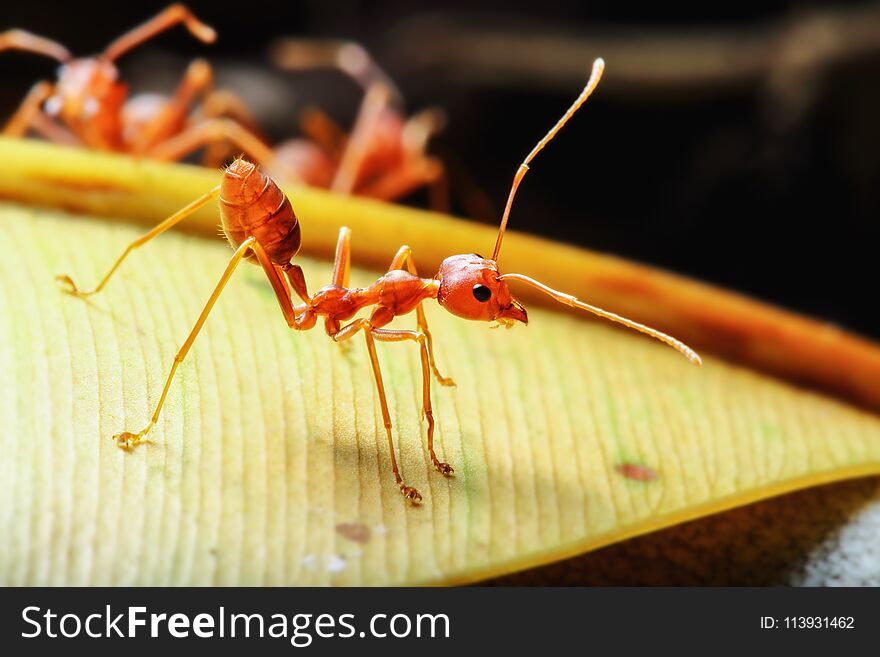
<point x="482" y="293"/>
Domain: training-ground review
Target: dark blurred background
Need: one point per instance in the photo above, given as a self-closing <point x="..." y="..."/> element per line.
<point x="737" y="142"/>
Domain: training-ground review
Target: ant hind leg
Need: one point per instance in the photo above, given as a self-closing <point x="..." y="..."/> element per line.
<point x="128" y="440"/>
<point x="72" y="288"/>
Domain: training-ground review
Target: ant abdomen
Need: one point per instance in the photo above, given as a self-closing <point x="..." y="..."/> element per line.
<point x="251" y="204"/>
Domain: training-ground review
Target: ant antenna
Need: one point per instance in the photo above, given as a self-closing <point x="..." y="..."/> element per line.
<point x="22" y="40"/>
<point x="574" y="302"/>
<point x="598" y="68"/>
<point x="171" y="16"/>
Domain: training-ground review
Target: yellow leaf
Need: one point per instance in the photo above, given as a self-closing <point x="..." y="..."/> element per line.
<point x="269" y="464"/>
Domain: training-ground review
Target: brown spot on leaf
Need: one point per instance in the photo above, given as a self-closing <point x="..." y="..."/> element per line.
<point x="636" y="472"/>
<point x="354" y="531"/>
<point x="629" y="285"/>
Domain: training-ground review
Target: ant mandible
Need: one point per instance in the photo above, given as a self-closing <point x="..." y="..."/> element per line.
<point x="88" y="105"/>
<point x="260" y="224"/>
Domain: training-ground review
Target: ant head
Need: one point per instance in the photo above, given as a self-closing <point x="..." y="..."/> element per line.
<point x="470" y="288"/>
<point x="86" y="87"/>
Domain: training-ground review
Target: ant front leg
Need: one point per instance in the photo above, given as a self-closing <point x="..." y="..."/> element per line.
<point x="347" y="332"/>
<point x="404" y="260"/>
<point x="177" y="217"/>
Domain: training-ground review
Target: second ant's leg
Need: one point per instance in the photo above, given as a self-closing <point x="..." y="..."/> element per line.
<point x="127" y="440"/>
<point x="169" y="120"/>
<point x="166" y="19"/>
<point x="209" y="131"/>
<point x="403" y="259"/>
<point x="18" y="124"/>
<point x="347" y="56"/>
<point x="345" y="333"/>
<point x="417" y="168"/>
<point x="324" y="131"/>
<point x="374" y="103"/>
<point x="416" y="134"/>
<point x="438" y="187"/>
<point x="411" y="175"/>
<point x="224" y="104"/>
<point x="22" y="40"/>
<point x="47" y="127"/>
<point x="389" y="335"/>
<point x="171" y="221"/>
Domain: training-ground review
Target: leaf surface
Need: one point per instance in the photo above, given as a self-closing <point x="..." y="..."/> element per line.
<point x="269" y="464"/>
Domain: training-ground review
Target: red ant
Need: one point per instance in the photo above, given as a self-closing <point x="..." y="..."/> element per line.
<point x="260" y="224"/>
<point x="88" y="105"/>
<point x="385" y="156"/>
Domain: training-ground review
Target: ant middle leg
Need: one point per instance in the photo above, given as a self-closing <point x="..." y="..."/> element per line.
<point x="390" y="335"/>
<point x="126" y="439"/>
<point x="347" y="332"/>
<point x="177" y="217"/>
<point x="403" y="259"/>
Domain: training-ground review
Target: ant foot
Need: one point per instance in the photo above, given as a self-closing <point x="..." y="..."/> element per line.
<point x="444" y="468"/>
<point x="446" y="381"/>
<point x="69" y="287"/>
<point x="128" y="441"/>
<point x="410" y="493"/>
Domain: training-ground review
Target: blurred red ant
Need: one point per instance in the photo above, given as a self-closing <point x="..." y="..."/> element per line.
<point x="385" y="156"/>
<point x="88" y="105"/>
<point x="260" y="224"/>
